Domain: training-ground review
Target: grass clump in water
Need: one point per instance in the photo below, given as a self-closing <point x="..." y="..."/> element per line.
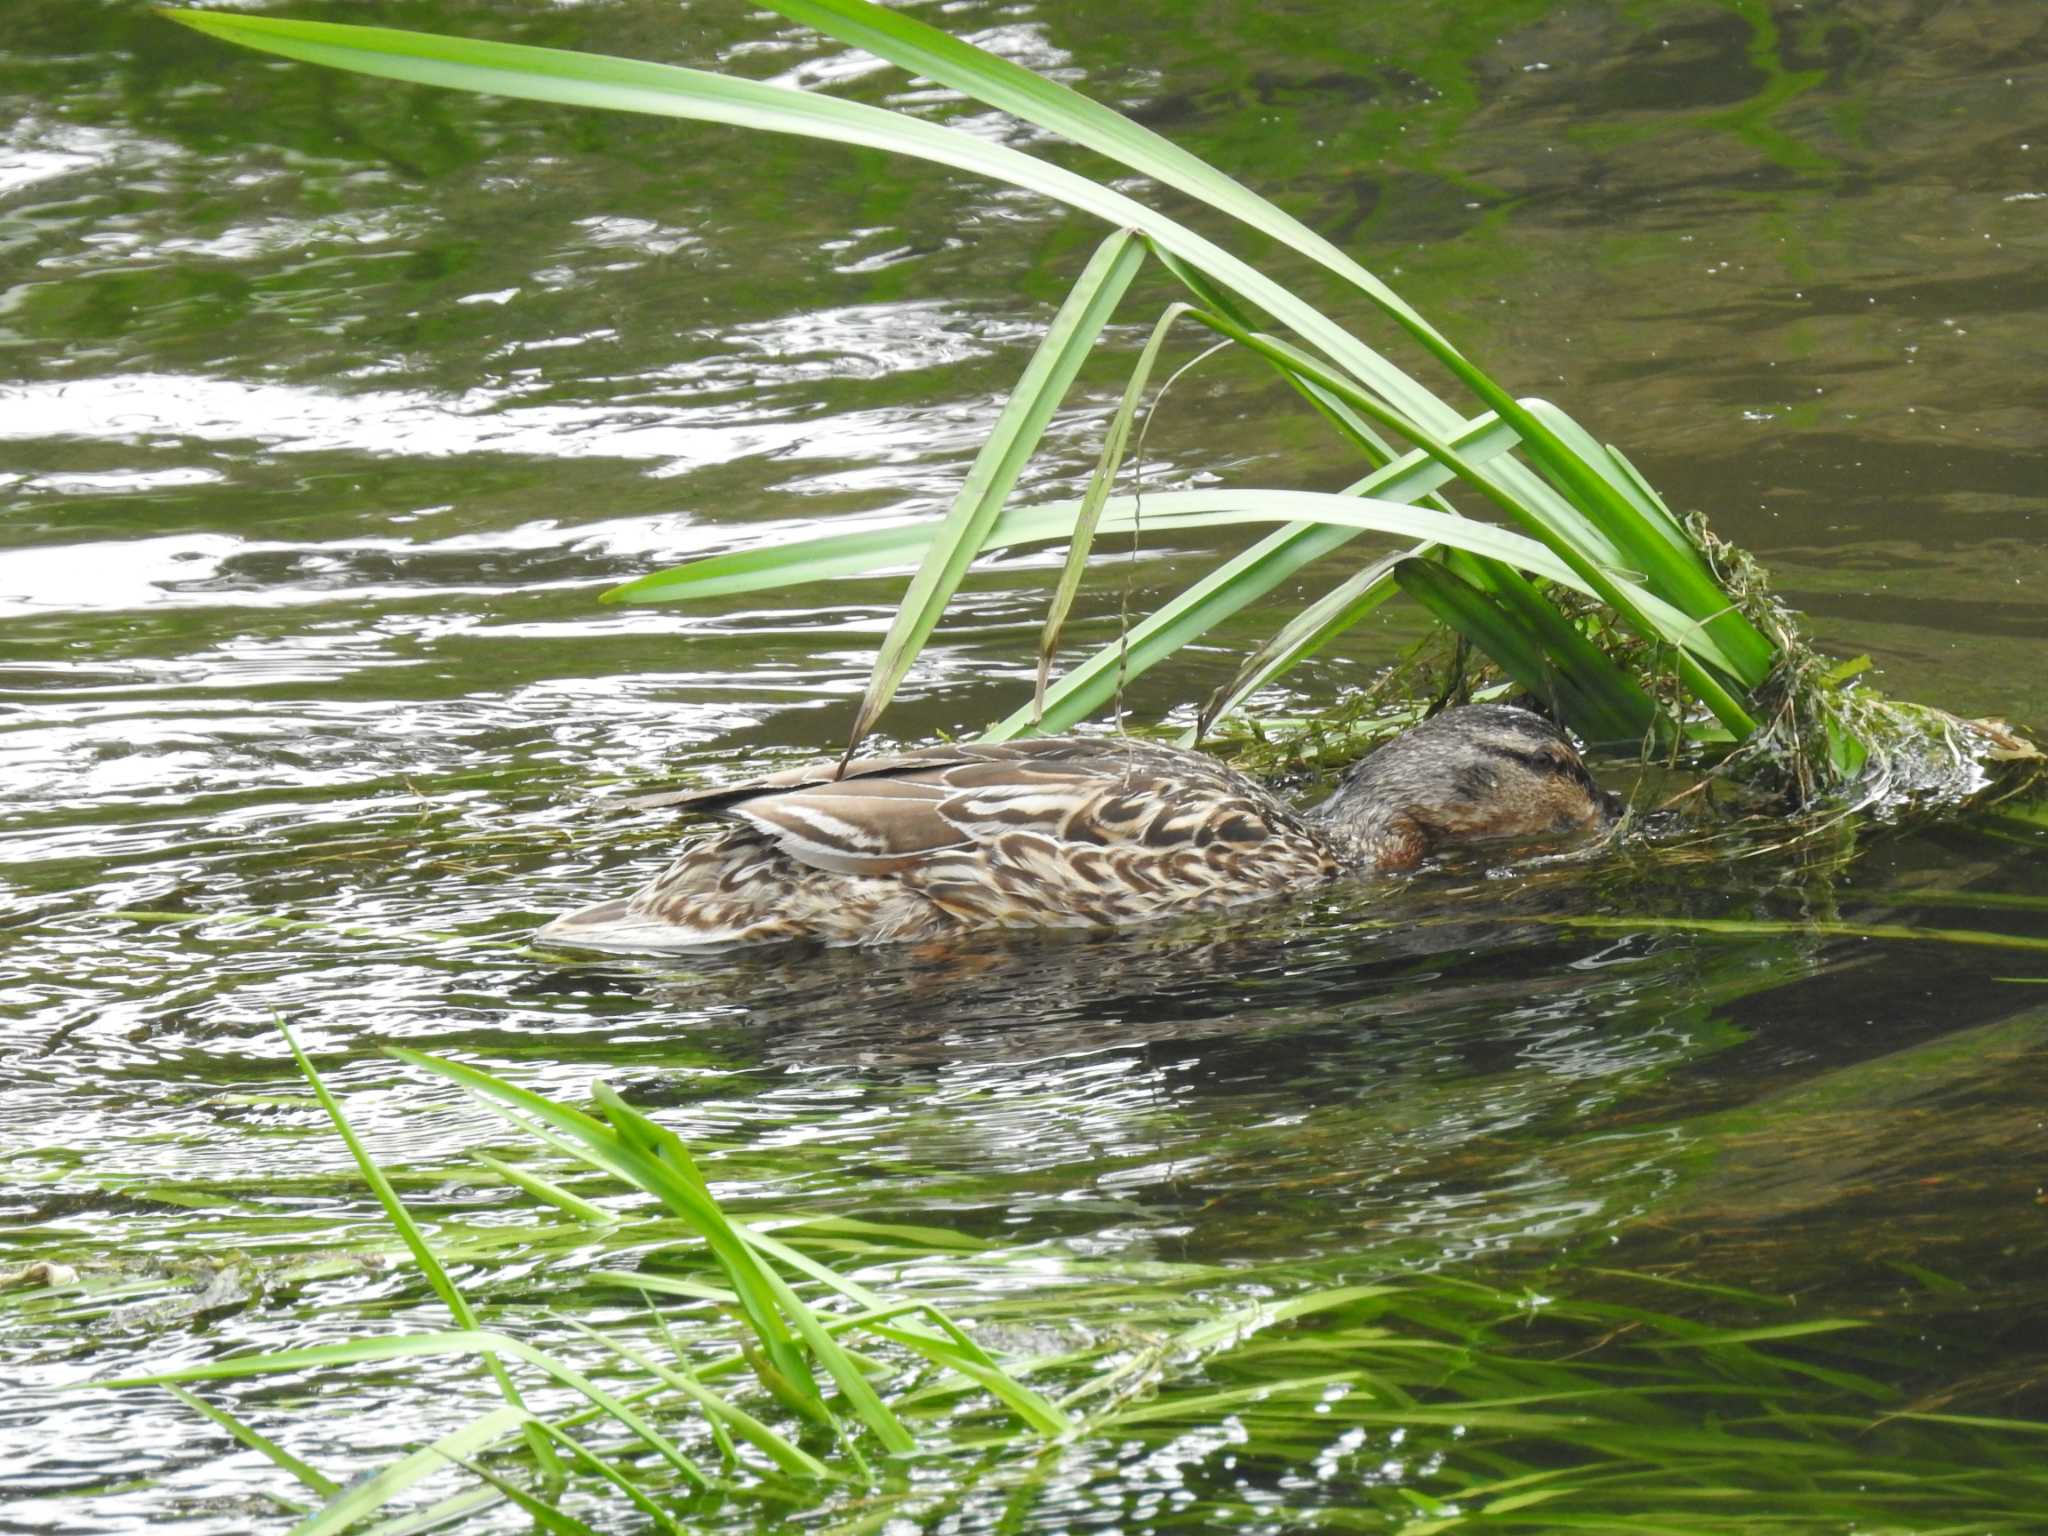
<point x="758" y="1384"/>
<point x="1635" y="628"/>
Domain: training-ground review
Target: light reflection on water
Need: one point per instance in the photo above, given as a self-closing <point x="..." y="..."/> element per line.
<point x="323" y="436"/>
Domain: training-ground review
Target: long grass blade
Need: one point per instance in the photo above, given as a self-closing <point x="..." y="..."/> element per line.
<point x="1083" y="538"/>
<point x="675" y="1183"/>
<point x="311" y="1476"/>
<point x="664" y="1149"/>
<point x="790" y="1457"/>
<point x="1321" y="519"/>
<point x="957" y="1352"/>
<point x="442" y="1514"/>
<point x="545" y="1516"/>
<point x="1301" y="637"/>
<point x="1715" y="1338"/>
<point x="1741" y="927"/>
<point x="1595" y="484"/>
<point x="943" y="1342"/>
<point x="370" y="1494"/>
<point x="1588" y="546"/>
<point x="655" y="1159"/>
<point x="1235" y="1327"/>
<point x="548" y="1192"/>
<point x="584" y="1455"/>
<point x="416" y="1244"/>
<point x="868" y="550"/>
<point x="419" y="1345"/>
<point x="1250" y="575"/>
<point x="664" y="1285"/>
<point x="1603" y="492"/>
<point x="630" y="85"/>
<point x="961" y="536"/>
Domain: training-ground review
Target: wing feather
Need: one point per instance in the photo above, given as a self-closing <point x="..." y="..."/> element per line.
<point x="1067" y="831"/>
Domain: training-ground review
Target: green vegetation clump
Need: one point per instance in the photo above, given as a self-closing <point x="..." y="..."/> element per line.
<point x="1825" y="743"/>
<point x="1633" y="627"/>
<point x="759" y="1383"/>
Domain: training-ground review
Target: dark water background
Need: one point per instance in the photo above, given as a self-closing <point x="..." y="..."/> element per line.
<point x="327" y="407"/>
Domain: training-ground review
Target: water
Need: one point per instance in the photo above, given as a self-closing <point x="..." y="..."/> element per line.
<point x="329" y="407"/>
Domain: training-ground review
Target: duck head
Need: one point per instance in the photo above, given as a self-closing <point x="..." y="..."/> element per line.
<point x="1480" y="773"/>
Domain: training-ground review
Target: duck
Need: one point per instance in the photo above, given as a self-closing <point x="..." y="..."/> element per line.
<point x="1075" y="832"/>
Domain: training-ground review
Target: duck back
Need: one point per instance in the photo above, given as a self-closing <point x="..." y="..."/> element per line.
<point x="1059" y="832"/>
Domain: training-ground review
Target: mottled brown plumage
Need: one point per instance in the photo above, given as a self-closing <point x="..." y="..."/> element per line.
<point x="1072" y="832"/>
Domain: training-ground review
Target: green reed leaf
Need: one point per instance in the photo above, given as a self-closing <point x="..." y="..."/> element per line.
<point x="1600" y="490"/>
<point x="1082" y="540"/>
<point x="311" y="1476"/>
<point x="1603" y="491"/>
<point x="416" y="1244"/>
<point x="963" y="533"/>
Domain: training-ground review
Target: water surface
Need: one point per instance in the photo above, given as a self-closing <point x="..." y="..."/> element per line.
<point x="328" y="407"/>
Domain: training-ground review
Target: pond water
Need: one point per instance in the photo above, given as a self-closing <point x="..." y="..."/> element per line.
<point x="329" y="406"/>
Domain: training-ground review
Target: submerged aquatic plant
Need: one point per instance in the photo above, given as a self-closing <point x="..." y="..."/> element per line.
<point x="1633" y="627"/>
<point x="1432" y="1402"/>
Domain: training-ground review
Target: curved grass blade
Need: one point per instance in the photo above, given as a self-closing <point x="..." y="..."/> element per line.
<point x="812" y="557"/>
<point x="793" y="562"/>
<point x="674" y="1182"/>
<point x="1612" y="708"/>
<point x="611" y="1474"/>
<point x="545" y="1516"/>
<point x="647" y="1155"/>
<point x="1715" y="1338"/>
<point x="1301" y="637"/>
<point x="548" y="1192"/>
<point x="1597" y="485"/>
<point x="944" y="1345"/>
<point x="631" y="85"/>
<point x="1603" y="494"/>
<point x="370" y="1494"/>
<point x="790" y="1457"/>
<point x="440" y="1515"/>
<point x="1655" y="516"/>
<point x="665" y="1285"/>
<point x="947" y="1344"/>
<point x="1242" y="581"/>
<point x="1510" y="485"/>
<point x="1347" y="422"/>
<point x="1250" y="575"/>
<point x="728" y="1453"/>
<point x="924" y="50"/>
<point x="468" y="1341"/>
<point x="416" y="1244"/>
<point x="944" y="1342"/>
<point x="1624" y="512"/>
<point x="961" y="536"/>
<point x="1319" y="523"/>
<point x="311" y="1476"/>
<point x="1974" y="1421"/>
<point x="1090" y="514"/>
<point x="664" y="1149"/>
<point x="1586" y="545"/>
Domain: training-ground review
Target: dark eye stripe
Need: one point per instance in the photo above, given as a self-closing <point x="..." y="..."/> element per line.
<point x="1541" y="763"/>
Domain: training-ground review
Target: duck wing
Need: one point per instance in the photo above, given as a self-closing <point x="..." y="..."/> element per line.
<point x="1060" y="830"/>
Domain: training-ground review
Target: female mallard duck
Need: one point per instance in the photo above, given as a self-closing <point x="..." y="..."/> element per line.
<point x="1074" y="832"/>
